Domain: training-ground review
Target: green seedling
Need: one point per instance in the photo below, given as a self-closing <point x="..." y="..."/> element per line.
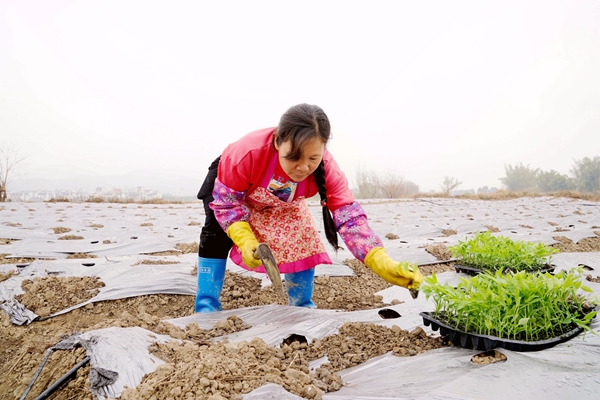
<point x="520" y="306"/>
<point x="487" y="252"/>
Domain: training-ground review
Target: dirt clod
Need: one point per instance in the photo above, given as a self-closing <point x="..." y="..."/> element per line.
<point x="489" y="357"/>
<point x="439" y="251"/>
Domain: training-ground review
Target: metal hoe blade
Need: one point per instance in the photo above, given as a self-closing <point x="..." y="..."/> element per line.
<point x="266" y="256"/>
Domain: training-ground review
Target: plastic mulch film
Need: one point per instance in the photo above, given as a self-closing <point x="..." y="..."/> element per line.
<point x="122" y="280"/>
<point x="567" y="370"/>
<point x="19" y="315"/>
<point x="274" y="323"/>
<point x="590" y="261"/>
<point x="119" y="358"/>
<point x="564" y="372"/>
<point x="271" y="391"/>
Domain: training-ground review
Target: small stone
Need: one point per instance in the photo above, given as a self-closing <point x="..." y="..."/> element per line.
<point x="418" y="331"/>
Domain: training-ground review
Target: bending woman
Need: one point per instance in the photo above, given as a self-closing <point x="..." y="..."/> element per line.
<point x="256" y="192"/>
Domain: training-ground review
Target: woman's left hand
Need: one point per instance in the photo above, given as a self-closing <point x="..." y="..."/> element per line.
<point x="405" y="274"/>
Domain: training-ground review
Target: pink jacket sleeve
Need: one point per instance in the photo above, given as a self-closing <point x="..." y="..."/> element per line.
<point x="228" y="205"/>
<point x="241" y="169"/>
<point x="352" y="225"/>
<point x="244" y="163"/>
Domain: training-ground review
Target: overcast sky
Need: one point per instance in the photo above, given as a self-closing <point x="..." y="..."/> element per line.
<point x="423" y="89"/>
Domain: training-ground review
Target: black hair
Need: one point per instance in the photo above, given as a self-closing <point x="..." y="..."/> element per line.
<point x="330" y="231"/>
<point x="299" y="124"/>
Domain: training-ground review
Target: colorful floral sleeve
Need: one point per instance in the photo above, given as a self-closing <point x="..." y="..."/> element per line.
<point x="228" y="205"/>
<point x="351" y="223"/>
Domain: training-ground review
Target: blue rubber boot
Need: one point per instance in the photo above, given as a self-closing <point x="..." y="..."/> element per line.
<point x="211" y="272"/>
<point x="300" y="288"/>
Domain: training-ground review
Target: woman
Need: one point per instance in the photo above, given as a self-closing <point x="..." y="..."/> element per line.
<point x="256" y="191"/>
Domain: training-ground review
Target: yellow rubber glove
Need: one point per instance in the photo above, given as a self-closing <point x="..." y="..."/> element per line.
<point x="403" y="273"/>
<point x="242" y="235"/>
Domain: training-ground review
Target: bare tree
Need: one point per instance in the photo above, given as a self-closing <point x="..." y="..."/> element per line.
<point x="394" y="186"/>
<point x="449" y="184"/>
<point x="389" y="185"/>
<point x="10" y="158"/>
<point x="368" y="184"/>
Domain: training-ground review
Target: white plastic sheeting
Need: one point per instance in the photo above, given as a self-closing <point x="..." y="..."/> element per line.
<point x="136" y="229"/>
<point x="122" y="279"/>
<point x="130" y="228"/>
<point x="568" y="370"/>
<point x="121" y="350"/>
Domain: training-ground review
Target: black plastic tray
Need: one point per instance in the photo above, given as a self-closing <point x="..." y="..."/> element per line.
<point x="487" y="343"/>
<point x="476" y="271"/>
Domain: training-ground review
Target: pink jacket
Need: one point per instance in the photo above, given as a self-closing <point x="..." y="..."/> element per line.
<point x="243" y="165"/>
<point x="242" y="168"/>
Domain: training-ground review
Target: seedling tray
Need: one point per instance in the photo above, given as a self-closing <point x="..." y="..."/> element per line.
<point x="476" y="271"/>
<point x="487" y="343"/>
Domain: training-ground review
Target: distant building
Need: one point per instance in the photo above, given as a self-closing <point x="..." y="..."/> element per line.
<point x="136" y="194"/>
<point x="30" y="195"/>
<point x="487" y="190"/>
<point x="461" y="192"/>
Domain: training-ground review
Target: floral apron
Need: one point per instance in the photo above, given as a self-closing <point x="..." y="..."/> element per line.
<point x="288" y="229"/>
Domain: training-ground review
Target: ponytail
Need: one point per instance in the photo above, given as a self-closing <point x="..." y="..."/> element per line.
<point x="330" y="231"/>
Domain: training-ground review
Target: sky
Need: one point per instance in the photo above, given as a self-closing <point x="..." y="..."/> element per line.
<point x="424" y="90"/>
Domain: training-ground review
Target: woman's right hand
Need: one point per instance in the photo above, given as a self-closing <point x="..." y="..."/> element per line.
<point x="242" y="235"/>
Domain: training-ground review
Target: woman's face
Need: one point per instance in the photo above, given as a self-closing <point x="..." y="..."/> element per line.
<point x="312" y="154"/>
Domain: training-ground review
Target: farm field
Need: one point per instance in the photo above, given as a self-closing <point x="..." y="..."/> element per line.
<point x="116" y="283"/>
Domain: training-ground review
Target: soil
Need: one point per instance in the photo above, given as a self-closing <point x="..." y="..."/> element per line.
<point x="488" y="357"/>
<point x="584" y="245"/>
<point x="226" y="370"/>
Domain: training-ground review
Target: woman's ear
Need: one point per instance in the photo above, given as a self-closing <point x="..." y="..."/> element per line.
<point x="275" y="142"/>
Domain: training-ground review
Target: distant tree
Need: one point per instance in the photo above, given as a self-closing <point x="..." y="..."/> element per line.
<point x="552" y="181"/>
<point x="449" y="184"/>
<point x="519" y="177"/>
<point x="367" y="184"/>
<point x="393" y="186"/>
<point x="10" y="158"/>
<point x="371" y="185"/>
<point x="587" y="174"/>
<point x="411" y="188"/>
